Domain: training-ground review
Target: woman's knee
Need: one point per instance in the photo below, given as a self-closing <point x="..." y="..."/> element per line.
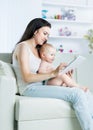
<point x="77" y="95"/>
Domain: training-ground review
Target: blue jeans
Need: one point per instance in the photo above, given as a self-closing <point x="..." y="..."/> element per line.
<point x="82" y="102"/>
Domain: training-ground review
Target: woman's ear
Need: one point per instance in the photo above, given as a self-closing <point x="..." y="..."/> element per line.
<point x="35" y="32"/>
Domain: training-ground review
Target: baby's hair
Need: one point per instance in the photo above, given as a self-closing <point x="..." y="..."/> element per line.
<point x="45" y="47"/>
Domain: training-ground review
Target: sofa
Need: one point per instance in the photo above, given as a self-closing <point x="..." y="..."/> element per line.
<point x="28" y="113"/>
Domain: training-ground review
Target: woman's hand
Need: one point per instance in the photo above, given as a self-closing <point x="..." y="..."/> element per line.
<point x="70" y="73"/>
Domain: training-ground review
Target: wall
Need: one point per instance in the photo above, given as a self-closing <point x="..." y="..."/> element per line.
<point x="14" y="17"/>
<point x="85" y="72"/>
<point x="78" y="2"/>
<point x="67" y="34"/>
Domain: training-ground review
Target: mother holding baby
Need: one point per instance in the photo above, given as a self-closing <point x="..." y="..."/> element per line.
<point x="26" y="61"/>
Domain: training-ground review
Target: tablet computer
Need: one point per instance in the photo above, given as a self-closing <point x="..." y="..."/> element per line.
<point x="73" y="64"/>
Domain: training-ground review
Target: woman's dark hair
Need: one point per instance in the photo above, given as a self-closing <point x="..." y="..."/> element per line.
<point x="34" y="25"/>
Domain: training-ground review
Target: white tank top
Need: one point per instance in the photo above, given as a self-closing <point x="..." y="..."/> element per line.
<point x="34" y="65"/>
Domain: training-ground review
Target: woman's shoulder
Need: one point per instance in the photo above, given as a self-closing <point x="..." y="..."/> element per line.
<point x="21" y="47"/>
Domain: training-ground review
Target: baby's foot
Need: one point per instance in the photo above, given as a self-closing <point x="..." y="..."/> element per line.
<point x="85" y="89"/>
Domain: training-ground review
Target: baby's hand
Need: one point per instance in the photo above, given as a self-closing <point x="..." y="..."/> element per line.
<point x="59" y="69"/>
<point x="62" y="66"/>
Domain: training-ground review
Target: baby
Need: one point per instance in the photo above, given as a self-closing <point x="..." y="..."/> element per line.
<point x="47" y="54"/>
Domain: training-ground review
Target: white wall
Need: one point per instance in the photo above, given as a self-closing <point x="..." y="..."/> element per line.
<point x="78" y="2"/>
<point x="84" y="21"/>
<point x="14" y="17"/>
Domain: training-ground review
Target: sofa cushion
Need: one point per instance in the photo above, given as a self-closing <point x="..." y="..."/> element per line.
<point x="29" y="108"/>
<point x="6" y="69"/>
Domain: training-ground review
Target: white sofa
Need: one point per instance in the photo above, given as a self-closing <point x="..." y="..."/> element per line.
<point x="28" y="113"/>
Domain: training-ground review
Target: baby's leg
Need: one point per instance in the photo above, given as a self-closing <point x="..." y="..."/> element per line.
<point x="55" y="81"/>
<point x="71" y="83"/>
<point x="62" y="80"/>
<point x="64" y="84"/>
<point x="68" y="81"/>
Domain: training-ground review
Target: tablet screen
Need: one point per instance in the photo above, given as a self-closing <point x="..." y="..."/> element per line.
<point x="73" y="64"/>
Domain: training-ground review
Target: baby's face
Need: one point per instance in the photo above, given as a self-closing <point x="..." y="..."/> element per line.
<point x="50" y="55"/>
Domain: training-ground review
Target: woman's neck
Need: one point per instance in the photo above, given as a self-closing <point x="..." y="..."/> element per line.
<point x="32" y="43"/>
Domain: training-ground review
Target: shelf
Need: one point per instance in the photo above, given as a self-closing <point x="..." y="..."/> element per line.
<point x="66" y="5"/>
<point x="67" y="37"/>
<point x="69" y="21"/>
<point x="78" y="24"/>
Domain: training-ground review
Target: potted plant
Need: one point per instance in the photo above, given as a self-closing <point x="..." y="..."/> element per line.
<point x="89" y="37"/>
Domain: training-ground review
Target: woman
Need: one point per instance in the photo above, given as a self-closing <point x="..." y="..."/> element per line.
<point x="26" y="62"/>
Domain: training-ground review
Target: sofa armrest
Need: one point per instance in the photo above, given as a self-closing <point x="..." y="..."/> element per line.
<point x="7" y="100"/>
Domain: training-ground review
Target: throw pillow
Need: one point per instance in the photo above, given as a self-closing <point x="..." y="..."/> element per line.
<point x="6" y="69"/>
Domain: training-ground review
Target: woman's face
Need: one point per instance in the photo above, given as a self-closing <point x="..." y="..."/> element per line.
<point x="41" y="35"/>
